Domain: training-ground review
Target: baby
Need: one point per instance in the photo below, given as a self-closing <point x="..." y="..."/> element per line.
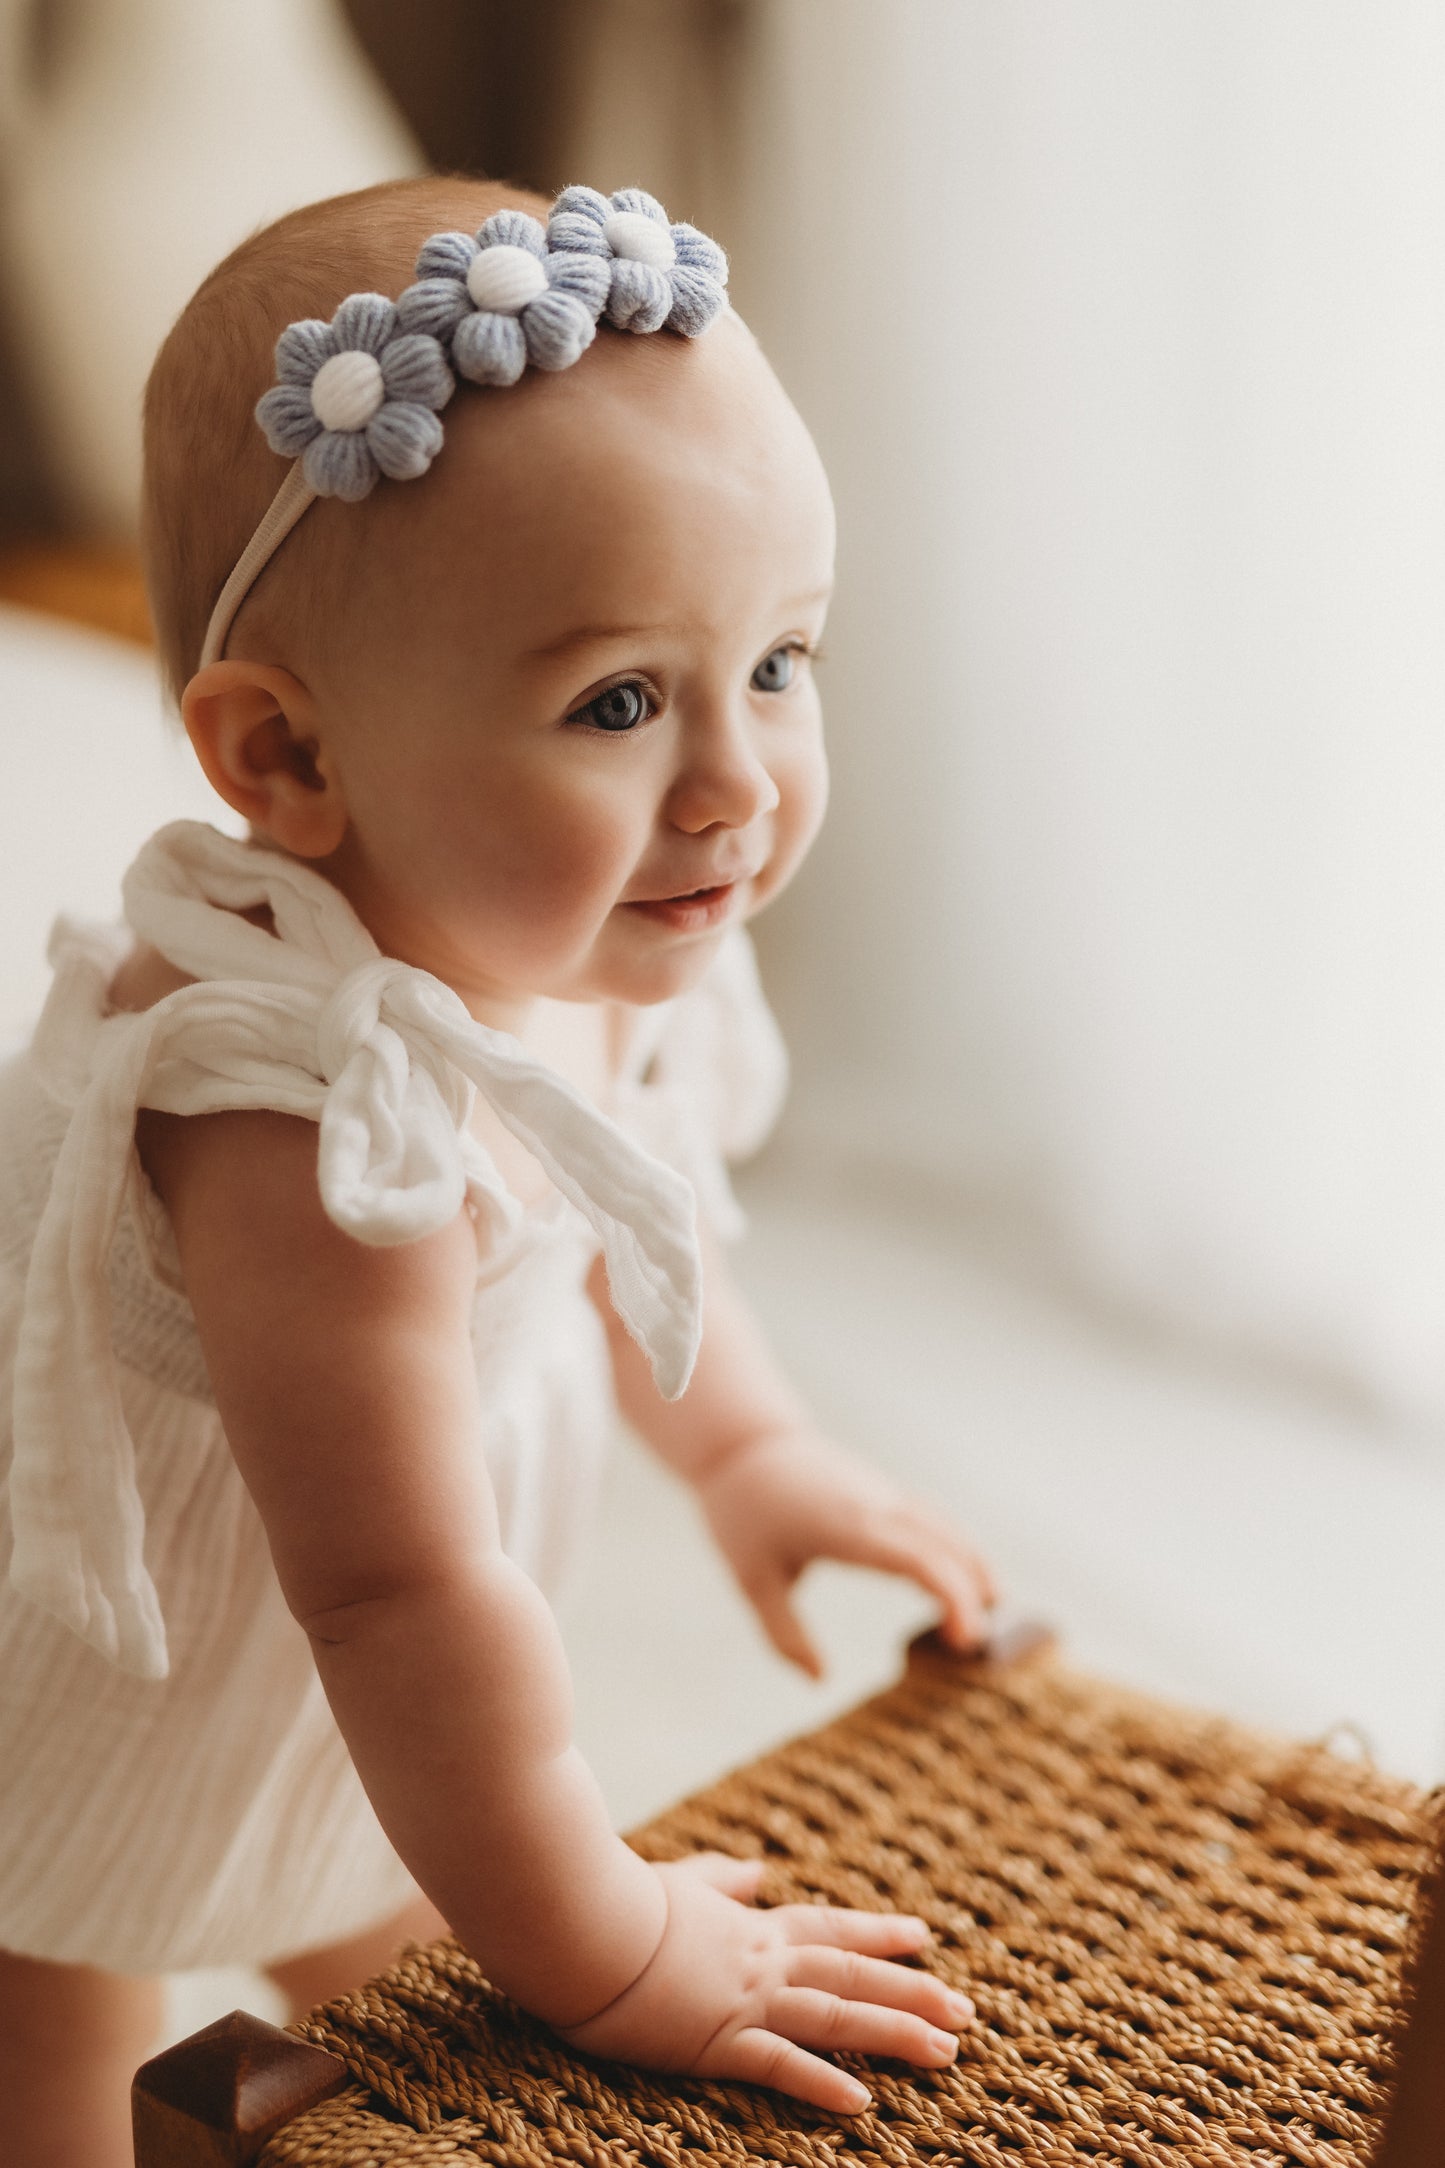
<point x="348" y="1188"/>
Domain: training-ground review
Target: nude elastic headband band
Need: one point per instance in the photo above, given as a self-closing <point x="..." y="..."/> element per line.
<point x="359" y="397"/>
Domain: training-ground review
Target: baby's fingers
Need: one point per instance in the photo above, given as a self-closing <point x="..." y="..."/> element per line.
<point x="964" y="1590"/>
<point x="739" y="1878"/>
<point x="875" y="1934"/>
<point x="816" y="2019"/>
<point x="769" y="1596"/>
<point x="764" y="2058"/>
<point x="874" y="1979"/>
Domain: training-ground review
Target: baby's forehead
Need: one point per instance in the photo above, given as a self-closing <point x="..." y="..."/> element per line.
<point x="620" y="471"/>
<point x="626" y="396"/>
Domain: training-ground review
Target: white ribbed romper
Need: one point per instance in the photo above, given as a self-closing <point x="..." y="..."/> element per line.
<point x="173" y="1790"/>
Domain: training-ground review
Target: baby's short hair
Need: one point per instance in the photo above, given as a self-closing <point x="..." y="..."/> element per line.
<point x="208" y="475"/>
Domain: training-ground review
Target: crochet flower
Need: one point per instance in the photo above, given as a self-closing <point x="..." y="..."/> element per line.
<point x="502" y="299"/>
<point x="356" y="398"/>
<point x="658" y="273"/>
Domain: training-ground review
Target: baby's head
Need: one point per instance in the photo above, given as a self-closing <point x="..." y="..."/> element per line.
<point x="521" y="706"/>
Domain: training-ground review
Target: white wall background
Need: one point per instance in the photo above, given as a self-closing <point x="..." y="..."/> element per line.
<point x="92" y="766"/>
<point x="165" y="133"/>
<point x="1123" y="331"/>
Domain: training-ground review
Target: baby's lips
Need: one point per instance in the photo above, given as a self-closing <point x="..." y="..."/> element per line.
<point x="691" y="885"/>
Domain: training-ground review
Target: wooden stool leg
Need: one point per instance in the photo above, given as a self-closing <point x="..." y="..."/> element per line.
<point x="1415" y="2125"/>
<point x="214" y="2099"/>
<point x="1026" y="1643"/>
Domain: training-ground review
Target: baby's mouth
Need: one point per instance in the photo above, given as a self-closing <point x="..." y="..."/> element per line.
<point x="690" y="913"/>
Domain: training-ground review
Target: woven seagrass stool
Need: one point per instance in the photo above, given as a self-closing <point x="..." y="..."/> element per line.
<point x="1188" y="1946"/>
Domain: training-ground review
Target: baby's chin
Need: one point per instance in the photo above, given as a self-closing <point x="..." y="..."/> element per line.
<point x="642" y="972"/>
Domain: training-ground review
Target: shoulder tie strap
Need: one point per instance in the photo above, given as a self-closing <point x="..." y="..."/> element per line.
<point x="310" y="1020"/>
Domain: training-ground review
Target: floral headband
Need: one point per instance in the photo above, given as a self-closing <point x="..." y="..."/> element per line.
<point x="358" y="398"/>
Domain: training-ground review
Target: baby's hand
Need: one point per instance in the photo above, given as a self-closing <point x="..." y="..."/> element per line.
<point x="731" y="1992"/>
<point x="789" y="1498"/>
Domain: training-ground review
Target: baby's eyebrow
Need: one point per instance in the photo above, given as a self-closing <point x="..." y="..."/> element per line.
<point x="579" y="636"/>
<point x="589" y="636"/>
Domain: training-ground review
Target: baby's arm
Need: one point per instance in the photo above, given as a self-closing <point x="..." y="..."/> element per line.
<point x="346" y="1382"/>
<point x="344" y="1379"/>
<point x="777" y="1494"/>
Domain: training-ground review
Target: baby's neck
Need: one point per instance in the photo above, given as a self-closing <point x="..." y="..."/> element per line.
<point x="518" y="1014"/>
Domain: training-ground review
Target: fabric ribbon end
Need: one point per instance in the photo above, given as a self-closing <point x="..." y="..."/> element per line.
<point x="132" y="1637"/>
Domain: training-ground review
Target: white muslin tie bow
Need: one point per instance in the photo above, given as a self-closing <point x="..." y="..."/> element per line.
<point x="311" y="1020"/>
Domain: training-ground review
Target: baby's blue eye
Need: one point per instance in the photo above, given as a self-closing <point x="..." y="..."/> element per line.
<point x="621" y="707"/>
<point x="774" y="673"/>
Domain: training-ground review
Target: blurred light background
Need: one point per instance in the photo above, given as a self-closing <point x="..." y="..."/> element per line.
<point x="1110" y="1207"/>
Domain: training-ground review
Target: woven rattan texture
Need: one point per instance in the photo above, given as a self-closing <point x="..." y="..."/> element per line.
<point x="1185" y="1945"/>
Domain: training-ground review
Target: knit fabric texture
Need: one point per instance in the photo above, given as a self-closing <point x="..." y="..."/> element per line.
<point x="502" y="298"/>
<point x="356" y="398"/>
<point x="659" y="272"/>
<point x="1185" y="1944"/>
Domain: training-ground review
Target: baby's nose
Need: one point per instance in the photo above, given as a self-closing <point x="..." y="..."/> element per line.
<point x="723" y="780"/>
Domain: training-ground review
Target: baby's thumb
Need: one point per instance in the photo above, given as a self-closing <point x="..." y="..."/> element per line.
<point x="783" y="1626"/>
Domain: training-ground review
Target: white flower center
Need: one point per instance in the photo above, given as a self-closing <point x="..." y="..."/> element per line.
<point x="644" y="239"/>
<point x="347" y="390"/>
<point x="505" y="279"/>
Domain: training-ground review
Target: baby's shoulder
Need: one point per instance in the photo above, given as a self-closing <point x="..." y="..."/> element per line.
<point x="144" y="978"/>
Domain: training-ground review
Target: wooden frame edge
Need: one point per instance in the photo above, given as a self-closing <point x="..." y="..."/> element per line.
<point x="214" y="2099"/>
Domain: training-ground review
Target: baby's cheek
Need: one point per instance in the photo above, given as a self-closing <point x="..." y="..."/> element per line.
<point x="551" y="869"/>
<point x="801" y="774"/>
<point x="577" y="852"/>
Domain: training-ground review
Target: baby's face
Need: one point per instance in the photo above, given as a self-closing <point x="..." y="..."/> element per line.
<point x="575" y="724"/>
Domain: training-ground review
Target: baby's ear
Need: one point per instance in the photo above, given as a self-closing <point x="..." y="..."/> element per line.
<point x="253" y="726"/>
